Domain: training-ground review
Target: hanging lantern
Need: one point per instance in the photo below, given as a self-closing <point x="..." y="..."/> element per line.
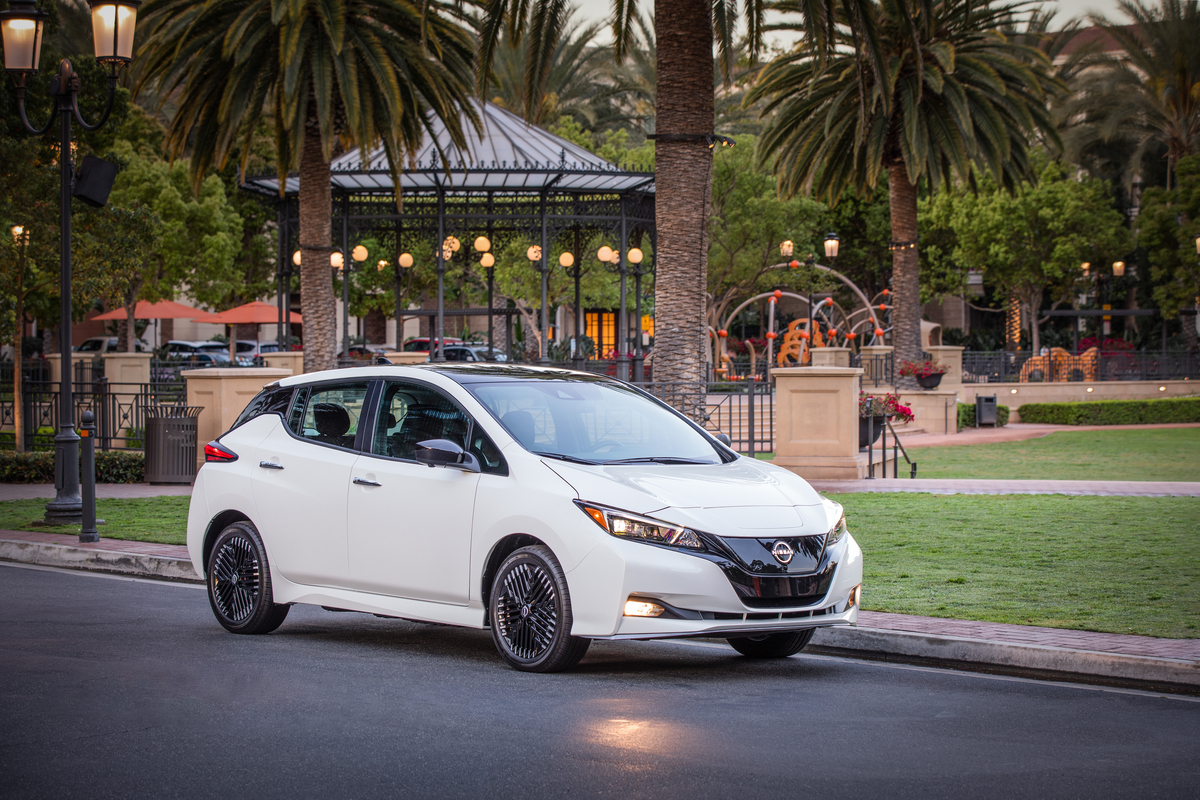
<point x="113" y="22"/>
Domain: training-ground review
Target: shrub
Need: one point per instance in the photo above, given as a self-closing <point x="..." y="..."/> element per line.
<point x="1114" y="412"/>
<point x="43" y="439"/>
<point x="112" y="466"/>
<point x="966" y="415"/>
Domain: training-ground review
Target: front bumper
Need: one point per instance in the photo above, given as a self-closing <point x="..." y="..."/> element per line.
<point x="698" y="587"/>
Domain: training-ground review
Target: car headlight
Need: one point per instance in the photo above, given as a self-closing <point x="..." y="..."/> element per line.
<point x="837" y="531"/>
<point x="631" y="526"/>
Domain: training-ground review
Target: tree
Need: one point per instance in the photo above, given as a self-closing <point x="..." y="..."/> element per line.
<point x="1035" y="239"/>
<point x="328" y="77"/>
<point x="684" y="115"/>
<point x="1167" y="226"/>
<point x="1146" y="94"/>
<point x="951" y="91"/>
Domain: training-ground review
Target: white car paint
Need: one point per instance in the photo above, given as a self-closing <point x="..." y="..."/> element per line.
<point x="417" y="545"/>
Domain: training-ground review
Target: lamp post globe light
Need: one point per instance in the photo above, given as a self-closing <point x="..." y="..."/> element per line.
<point x="615" y="261"/>
<point x="483" y="246"/>
<point x="22" y="27"/>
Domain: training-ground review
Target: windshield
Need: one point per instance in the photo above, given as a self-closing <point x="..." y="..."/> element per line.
<point x="593" y="422"/>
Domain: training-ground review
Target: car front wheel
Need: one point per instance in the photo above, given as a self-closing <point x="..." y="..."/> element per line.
<point x="771" y="645"/>
<point x="530" y="613"/>
<point x="239" y="582"/>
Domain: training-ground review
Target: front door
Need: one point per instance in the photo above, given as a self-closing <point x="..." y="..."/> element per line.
<point x="409" y="525"/>
<point x="302" y="479"/>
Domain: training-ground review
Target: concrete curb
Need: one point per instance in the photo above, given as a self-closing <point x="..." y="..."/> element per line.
<point x="1027" y="660"/>
<point x="63" y="556"/>
<point x="975" y="655"/>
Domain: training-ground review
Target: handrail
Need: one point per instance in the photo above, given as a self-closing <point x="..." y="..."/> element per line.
<point x="903" y="452"/>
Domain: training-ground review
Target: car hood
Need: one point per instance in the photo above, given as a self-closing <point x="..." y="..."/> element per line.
<point x="743" y="498"/>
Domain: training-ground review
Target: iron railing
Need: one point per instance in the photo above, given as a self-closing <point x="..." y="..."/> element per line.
<point x="879" y="369"/>
<point x="1063" y="366"/>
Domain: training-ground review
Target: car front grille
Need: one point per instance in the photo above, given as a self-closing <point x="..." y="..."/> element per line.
<point x="762" y="581"/>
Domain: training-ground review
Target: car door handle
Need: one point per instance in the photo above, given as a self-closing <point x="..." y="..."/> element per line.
<point x="270" y="465"/>
<point x="365" y="482"/>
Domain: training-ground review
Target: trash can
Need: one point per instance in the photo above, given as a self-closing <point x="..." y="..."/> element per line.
<point x="985" y="411"/>
<point x="171" y="443"/>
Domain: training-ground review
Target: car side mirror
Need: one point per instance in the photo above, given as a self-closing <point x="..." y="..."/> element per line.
<point x="724" y="439"/>
<point x="445" y="453"/>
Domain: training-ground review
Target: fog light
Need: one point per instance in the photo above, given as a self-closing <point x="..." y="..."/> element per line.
<point x="639" y="608"/>
<point x="855" y="597"/>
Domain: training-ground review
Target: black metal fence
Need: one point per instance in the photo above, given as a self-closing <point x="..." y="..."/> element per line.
<point x="879" y="369"/>
<point x="743" y="410"/>
<point x="1060" y="366"/>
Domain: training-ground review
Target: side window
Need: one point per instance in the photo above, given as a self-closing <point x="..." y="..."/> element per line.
<point x="272" y="400"/>
<point x="410" y="413"/>
<point x="329" y="414"/>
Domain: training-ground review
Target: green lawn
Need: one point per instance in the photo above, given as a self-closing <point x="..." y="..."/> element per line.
<point x="153" y="519"/>
<point x="1113" y="564"/>
<point x="1161" y="454"/>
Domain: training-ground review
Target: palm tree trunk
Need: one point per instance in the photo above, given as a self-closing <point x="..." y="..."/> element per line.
<point x="906" y="282"/>
<point x="683" y="187"/>
<point x="317" y="306"/>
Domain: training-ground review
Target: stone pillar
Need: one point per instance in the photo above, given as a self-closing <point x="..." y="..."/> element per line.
<point x="127" y="367"/>
<point x="292" y="360"/>
<point x="831" y="357"/>
<point x="223" y="392"/>
<point x="951" y="359"/>
<point x="816" y="422"/>
<point x="398" y="357"/>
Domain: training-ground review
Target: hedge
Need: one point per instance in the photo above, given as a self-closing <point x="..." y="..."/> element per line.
<point x="1114" y="412"/>
<point x="112" y="466"/>
<point x="966" y="415"/>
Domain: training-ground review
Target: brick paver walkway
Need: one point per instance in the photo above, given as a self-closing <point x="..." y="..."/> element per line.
<point x="1182" y="649"/>
<point x="33" y="491"/>
<point x="1016" y="432"/>
<point x="980" y="486"/>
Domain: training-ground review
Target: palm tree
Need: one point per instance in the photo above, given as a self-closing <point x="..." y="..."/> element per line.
<point x="684" y="34"/>
<point x="328" y="77"/>
<point x="1147" y="94"/>
<point x="956" y="93"/>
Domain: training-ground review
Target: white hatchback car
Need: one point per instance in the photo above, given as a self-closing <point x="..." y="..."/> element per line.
<point x="552" y="507"/>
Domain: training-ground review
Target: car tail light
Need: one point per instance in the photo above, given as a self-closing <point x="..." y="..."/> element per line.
<point x="215" y="451"/>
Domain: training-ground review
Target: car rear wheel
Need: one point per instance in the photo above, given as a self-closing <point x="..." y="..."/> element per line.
<point x="771" y="645"/>
<point x="239" y="582"/>
<point x="530" y="613"/>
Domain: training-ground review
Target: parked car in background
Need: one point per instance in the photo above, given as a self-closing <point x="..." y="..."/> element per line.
<point x="473" y="353"/>
<point x="421" y="344"/>
<point x="551" y="507"/>
<point x="108" y="344"/>
<point x="367" y="350"/>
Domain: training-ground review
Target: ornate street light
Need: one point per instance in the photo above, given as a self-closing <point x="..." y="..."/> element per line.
<point x="1118" y="269"/>
<point x="22" y="27"/>
<point x="483" y="245"/>
<point x="786" y="248"/>
<point x="338" y="261"/>
<point x="537" y="259"/>
<point x="831" y="245"/>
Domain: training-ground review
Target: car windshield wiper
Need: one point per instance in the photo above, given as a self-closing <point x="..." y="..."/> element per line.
<point x="657" y="460"/>
<point x="562" y="457"/>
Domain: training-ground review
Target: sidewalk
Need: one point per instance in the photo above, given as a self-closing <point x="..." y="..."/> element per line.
<point x="104" y="491"/>
<point x="983" y="486"/>
<point x="1016" y="432"/>
<point x="1144" y="662"/>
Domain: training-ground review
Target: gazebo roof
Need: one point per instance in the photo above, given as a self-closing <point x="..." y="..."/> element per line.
<point x="509" y="156"/>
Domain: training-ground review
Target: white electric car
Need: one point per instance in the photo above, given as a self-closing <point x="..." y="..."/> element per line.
<point x="554" y="507"/>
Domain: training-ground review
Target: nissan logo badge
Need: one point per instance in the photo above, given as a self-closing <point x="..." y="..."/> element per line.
<point x="783" y="552"/>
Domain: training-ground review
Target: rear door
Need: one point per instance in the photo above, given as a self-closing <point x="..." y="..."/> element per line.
<point x="301" y="482"/>
<point x="409" y="525"/>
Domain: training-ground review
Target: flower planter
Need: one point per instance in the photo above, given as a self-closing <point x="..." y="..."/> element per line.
<point x="930" y="381"/>
<point x="876" y="428"/>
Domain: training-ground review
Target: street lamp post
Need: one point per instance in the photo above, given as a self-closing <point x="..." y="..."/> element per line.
<point x="338" y="261"/>
<point x="635" y="258"/>
<point x="483" y="246"/>
<point x="575" y="272"/>
<point x="615" y="262"/>
<point x="537" y="257"/>
<point x="22" y="26"/>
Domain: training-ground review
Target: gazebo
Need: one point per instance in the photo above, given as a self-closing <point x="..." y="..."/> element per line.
<point x="515" y="181"/>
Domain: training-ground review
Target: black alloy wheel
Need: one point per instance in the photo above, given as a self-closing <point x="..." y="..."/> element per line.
<point x="772" y="645"/>
<point x="530" y="613"/>
<point x="239" y="582"/>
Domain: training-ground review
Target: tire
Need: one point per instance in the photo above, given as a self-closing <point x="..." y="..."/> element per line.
<point x="530" y="613"/>
<point x="771" y="645"/>
<point x="239" y="582"/>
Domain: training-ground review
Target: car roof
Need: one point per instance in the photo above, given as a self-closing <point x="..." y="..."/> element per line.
<point x="456" y="371"/>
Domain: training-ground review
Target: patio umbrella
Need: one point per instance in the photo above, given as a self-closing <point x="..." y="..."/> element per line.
<point x="255" y="313"/>
<point x="164" y="309"/>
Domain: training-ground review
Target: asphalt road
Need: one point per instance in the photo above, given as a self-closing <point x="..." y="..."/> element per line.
<point x="113" y="687"/>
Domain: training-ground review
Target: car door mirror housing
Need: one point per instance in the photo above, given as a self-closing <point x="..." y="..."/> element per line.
<point x="445" y="453"/>
<point x="724" y="439"/>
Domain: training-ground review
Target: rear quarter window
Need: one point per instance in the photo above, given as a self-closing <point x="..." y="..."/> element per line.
<point x="272" y="400"/>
